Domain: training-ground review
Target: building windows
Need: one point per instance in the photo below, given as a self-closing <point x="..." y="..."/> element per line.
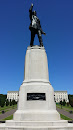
<point x="61" y="96"/>
<point x="12" y="95"/>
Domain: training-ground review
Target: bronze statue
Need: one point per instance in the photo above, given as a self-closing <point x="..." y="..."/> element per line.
<point x="35" y="27"/>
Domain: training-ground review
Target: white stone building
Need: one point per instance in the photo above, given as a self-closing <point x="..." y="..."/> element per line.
<point x="13" y="95"/>
<point x="58" y="95"/>
<point x="61" y="95"/>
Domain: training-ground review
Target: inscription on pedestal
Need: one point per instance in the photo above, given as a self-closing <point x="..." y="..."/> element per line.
<point x="36" y="96"/>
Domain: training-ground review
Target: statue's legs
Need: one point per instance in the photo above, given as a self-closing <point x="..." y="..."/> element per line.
<point x="32" y="37"/>
<point x="40" y="37"/>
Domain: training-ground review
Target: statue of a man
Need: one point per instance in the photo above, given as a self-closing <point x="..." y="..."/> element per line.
<point x="35" y="27"/>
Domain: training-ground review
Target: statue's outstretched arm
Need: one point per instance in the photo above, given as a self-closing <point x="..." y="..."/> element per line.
<point x="30" y="11"/>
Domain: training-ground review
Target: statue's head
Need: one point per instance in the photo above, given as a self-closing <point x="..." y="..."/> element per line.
<point x="34" y="12"/>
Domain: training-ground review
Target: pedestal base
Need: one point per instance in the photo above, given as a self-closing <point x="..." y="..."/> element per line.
<point x="50" y="115"/>
<point x="36" y="109"/>
<point x="36" y="125"/>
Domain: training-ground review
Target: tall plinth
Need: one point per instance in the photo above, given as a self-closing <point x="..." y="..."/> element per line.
<point x="36" y="95"/>
<point x="36" y="106"/>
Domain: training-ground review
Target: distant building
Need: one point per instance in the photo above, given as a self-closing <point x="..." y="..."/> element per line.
<point x="61" y="95"/>
<point x="58" y="95"/>
<point x="13" y="95"/>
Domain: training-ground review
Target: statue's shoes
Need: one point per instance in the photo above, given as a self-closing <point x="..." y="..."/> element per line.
<point x="41" y="45"/>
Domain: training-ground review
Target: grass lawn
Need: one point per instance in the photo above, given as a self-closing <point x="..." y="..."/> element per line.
<point x="7" y="108"/>
<point x="67" y="108"/>
<point x="8" y="118"/>
<point x="65" y="117"/>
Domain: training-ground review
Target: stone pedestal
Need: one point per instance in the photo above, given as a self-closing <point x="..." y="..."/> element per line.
<point x="36" y="82"/>
<point x="36" y="105"/>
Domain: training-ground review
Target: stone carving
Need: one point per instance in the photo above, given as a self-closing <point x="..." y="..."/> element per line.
<point x="35" y="27"/>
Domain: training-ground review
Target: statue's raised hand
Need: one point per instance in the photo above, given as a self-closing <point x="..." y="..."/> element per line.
<point x="32" y="4"/>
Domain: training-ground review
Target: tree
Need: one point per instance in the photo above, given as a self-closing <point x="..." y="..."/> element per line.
<point x="16" y="102"/>
<point x="71" y="102"/>
<point x="67" y="103"/>
<point x="70" y="96"/>
<point x="61" y="103"/>
<point x="7" y="102"/>
<point x="64" y="102"/>
<point x="2" y="100"/>
<point x="13" y="102"/>
<point x="10" y="102"/>
<point x="2" y="103"/>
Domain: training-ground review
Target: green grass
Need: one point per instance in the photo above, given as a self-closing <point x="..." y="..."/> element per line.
<point x="7" y="108"/>
<point x="9" y="117"/>
<point x="65" y="117"/>
<point x="66" y="108"/>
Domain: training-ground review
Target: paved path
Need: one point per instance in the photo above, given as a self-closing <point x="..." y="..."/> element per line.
<point x="66" y="113"/>
<point x="6" y="114"/>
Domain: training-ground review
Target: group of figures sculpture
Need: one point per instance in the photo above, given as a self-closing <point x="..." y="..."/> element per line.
<point x="35" y="27"/>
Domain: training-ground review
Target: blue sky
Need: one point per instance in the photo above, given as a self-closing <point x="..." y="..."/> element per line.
<point x="56" y="17"/>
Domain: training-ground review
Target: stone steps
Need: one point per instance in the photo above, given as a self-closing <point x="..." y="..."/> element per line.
<point x="36" y="123"/>
<point x="3" y="127"/>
